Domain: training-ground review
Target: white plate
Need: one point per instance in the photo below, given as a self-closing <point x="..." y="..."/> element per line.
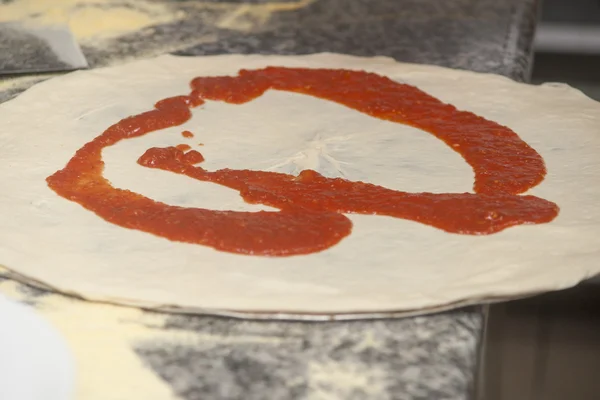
<point x="35" y="363"/>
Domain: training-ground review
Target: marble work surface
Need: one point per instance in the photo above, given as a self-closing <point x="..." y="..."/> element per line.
<point x="142" y="354"/>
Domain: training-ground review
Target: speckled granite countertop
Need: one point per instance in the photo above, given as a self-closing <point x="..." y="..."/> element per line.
<point x="200" y="357"/>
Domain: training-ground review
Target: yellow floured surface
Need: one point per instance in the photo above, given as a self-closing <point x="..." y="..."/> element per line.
<point x="93" y="19"/>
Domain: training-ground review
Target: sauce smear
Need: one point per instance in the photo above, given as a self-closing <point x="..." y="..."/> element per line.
<point x="183" y="147"/>
<point x="312" y="207"/>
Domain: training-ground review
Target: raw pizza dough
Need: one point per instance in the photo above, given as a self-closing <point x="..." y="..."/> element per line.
<point x="386" y="264"/>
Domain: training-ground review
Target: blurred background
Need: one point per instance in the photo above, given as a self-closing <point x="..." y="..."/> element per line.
<point x="567" y="45"/>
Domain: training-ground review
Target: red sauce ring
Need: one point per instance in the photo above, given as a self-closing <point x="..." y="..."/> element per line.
<point x="312" y="206"/>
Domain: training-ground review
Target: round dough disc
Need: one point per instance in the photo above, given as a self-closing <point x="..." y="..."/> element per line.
<point x="385" y="265"/>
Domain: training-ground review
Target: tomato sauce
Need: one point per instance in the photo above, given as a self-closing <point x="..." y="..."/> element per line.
<point x="311" y="208"/>
<point x="183" y="147"/>
<point x="187" y="134"/>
